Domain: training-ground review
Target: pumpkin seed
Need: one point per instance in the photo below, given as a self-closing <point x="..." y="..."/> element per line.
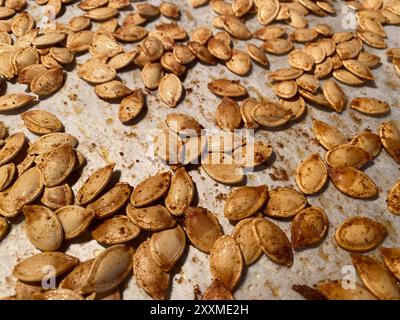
<point x="367" y="23"/>
<point x="181" y="192"/>
<point x="303" y="35"/>
<point x="368" y="59"/>
<point x="309" y="227"/>
<point x="170" y="64"/>
<point x="31" y="269"/>
<point x="166" y="146"/>
<point x="390" y="17"/>
<point x="118" y="229"/>
<point x="393" y="197"/>
<point x="353" y="182"/>
<point x="358" y="69"/>
<point x="245" y="201"/>
<point x="22" y="23"/>
<point x="8" y="207"/>
<point x="297" y="20"/>
<point x="226" y="262"/>
<point x="57" y="294"/>
<point x="277" y="46"/>
<point x="316" y="51"/>
<point x="301" y="60"/>
<point x="369" y="142"/>
<point x="228" y="116"/>
<point x="220" y="49"/>
<point x="241" y="7"/>
<point x="75" y="220"/>
<point x="391" y="259"/>
<point x="151" y="189"/>
<point x="296" y="105"/>
<point x="372" y="39"/>
<point x="247" y="107"/>
<point x="61" y="55"/>
<point x="269" y="32"/>
<point x="261" y="154"/>
<point x="308" y="82"/>
<point x="94" y="71"/>
<point x="112" y="90"/>
<point x="227" y="88"/>
<point x="13" y="145"/>
<point x="349" y="49"/>
<point x="3" y="130"/>
<point x="57" y="164"/>
<point x="43" y="228"/>
<point x="317" y="97"/>
<point x="217" y="290"/>
<point x="257" y="54"/>
<point x="27" y="291"/>
<point x="360" y="234"/>
<point x="95" y="184"/>
<point x="235" y="27"/>
<point x="153" y="218"/>
<point x="25" y="164"/>
<point x="173" y="30"/>
<point x="48" y="82"/>
<point x="152" y="48"/>
<point x="390" y="138"/>
<point x="335" y="95"/>
<point x="7" y="69"/>
<point x="152" y="73"/>
<point x="170" y="90"/>
<point x="244" y="236"/>
<point x="5" y="38"/>
<point x="15" y="101"/>
<point x="270" y="114"/>
<point x="334" y="290"/>
<point x="57" y="197"/>
<point x="104" y="45"/>
<point x="311" y="174"/>
<point x="109" y="269"/>
<point x="347" y="155"/>
<point x="27" y="187"/>
<point x="4" y="227"/>
<point x="376" y="278"/>
<point x="91" y="4"/>
<point x="48" y="39"/>
<point x="41" y="122"/>
<point x="6" y="13"/>
<point x="7" y="173"/>
<point x="122" y="60"/>
<point x="50" y="141"/>
<point x="324" y="29"/>
<point x="285" y="89"/>
<point x="323" y="69"/>
<point x="25" y="57"/>
<point x="183" y="124"/>
<point x="166" y="247"/>
<point x="101" y="14"/>
<point x="268" y="11"/>
<point x="134" y="19"/>
<point x="76" y="277"/>
<point x="313" y="7"/>
<point x="201" y="52"/>
<point x="370" y="106"/>
<point x="201" y="35"/>
<point x="201" y="227"/>
<point x="26" y="75"/>
<point x="182" y="54"/>
<point x="81" y="41"/>
<point x="222" y="168"/>
<point x="170" y="10"/>
<point x="273" y="241"/>
<point x="149" y="276"/>
<point x="79" y="23"/>
<point x="347" y="77"/>
<point x="225" y="142"/>
<point x="328" y="45"/>
<point x="285" y="74"/>
<point x="147" y="10"/>
<point x="284" y="203"/>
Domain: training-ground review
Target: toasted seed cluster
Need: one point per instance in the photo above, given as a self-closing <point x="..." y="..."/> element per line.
<point x="161" y="212"/>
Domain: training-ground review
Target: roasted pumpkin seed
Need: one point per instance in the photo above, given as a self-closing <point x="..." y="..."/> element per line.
<point x="285" y="89"/>
<point x="391" y="259"/>
<point x="57" y="197"/>
<point x="284" y="203"/>
<point x="43" y="228"/>
<point x="180" y="193"/>
<point x="250" y="157"/>
<point x="27" y="187"/>
<point x="370" y="106"/>
<point x="235" y="27"/>
<point x="75" y="220"/>
<point x="7" y="173"/>
<point x="152" y="73"/>
<point x="369" y="142"/>
<point x="50" y="141"/>
<point x="353" y="182"/>
<point x="116" y="230"/>
<point x="4" y="227"/>
<point x="301" y="60"/>
<point x="201" y="52"/>
<point x="15" y="101"/>
<point x="228" y="116"/>
<point x="273" y="241"/>
<point x="216" y="290"/>
<point x="311" y="174"/>
<point x="285" y="74"/>
<point x="393" y="197"/>
<point x="227" y="88"/>
<point x="151" y="189"/>
<point x="152" y="218"/>
<point x="222" y="168"/>
<point x="347" y="77"/>
<point x="390" y="138"/>
<point x="334" y="290"/>
<point x="41" y="122"/>
<point x="278" y="46"/>
<point x="48" y="82"/>
<point x="170" y="90"/>
<point x="101" y="14"/>
<point x="271" y="114"/>
<point x="112" y="90"/>
<point x="13" y="145"/>
<point x="347" y="155"/>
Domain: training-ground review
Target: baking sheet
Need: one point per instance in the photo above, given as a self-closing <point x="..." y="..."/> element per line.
<point x="103" y="138"/>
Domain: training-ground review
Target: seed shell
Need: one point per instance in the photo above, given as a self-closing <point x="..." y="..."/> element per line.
<point x="270" y="114"/>
<point x="170" y="90"/>
<point x="222" y="168"/>
<point x="116" y="230"/>
<point x="335" y="95"/>
<point x="180" y="193"/>
<point x="27" y="187"/>
<point x="75" y="220"/>
<point x="334" y="290"/>
<point x="228" y="116"/>
<point x="151" y="189"/>
<point x="131" y="106"/>
<point x="13" y="145"/>
<point x="153" y="218"/>
<point x="369" y="142"/>
<point x="370" y="106"/>
<point x="57" y="197"/>
<point x="7" y="173"/>
<point x="347" y="155"/>
<point x="227" y="88"/>
<point x="284" y="203"/>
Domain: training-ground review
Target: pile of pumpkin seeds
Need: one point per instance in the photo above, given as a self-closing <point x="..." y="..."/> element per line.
<point x="35" y="175"/>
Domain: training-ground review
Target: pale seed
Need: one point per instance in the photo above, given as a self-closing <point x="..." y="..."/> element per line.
<point x="15" y="101"/>
<point x="22" y="23"/>
<point x="104" y="45"/>
<point x="225" y="142"/>
<point x="152" y="73"/>
<point x="268" y="11"/>
<point x="285" y="89"/>
<point x="278" y="46"/>
<point x="316" y="51"/>
<point x="48" y="39"/>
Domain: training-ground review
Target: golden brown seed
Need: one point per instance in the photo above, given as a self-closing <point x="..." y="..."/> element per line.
<point x="393" y="199"/>
<point x="170" y="10"/>
<point x="245" y="201"/>
<point x="116" y="230"/>
<point x="112" y="90"/>
<point x="180" y="194"/>
<point x="22" y="23"/>
<point x="316" y="51"/>
<point x="268" y="11"/>
<point x="13" y="145"/>
<point x="241" y="7"/>
<point x="270" y="114"/>
<point x="278" y="46"/>
<point x="75" y="220"/>
<point x="50" y="141"/>
<point x="152" y="73"/>
<point x="235" y="27"/>
<point x="284" y="203"/>
<point x="31" y="269"/>
<point x="130" y="33"/>
<point x="226" y="262"/>
<point x="48" y="82"/>
<point x="149" y="276"/>
<point x="81" y="41"/>
<point x="227" y="88"/>
<point x="285" y="74"/>
<point x="376" y="278"/>
<point x="250" y="156"/>
<point x="43" y="228"/>
<point x="131" y="106"/>
<point x="104" y="45"/>
<point x="391" y="258"/>
<point x="285" y="89"/>
<point x="94" y="184"/>
<point x="151" y="189"/>
<point x="317" y="97"/>
<point x="201" y="35"/>
<point x="15" y="101"/>
<point x="369" y="142"/>
<point x="225" y="142"/>
<point x="228" y="116"/>
<point x="201" y="52"/>
<point x="219" y="48"/>
<point x="301" y="60"/>
<point x="372" y="39"/>
<point x="57" y="197"/>
<point x="311" y="174"/>
<point x="335" y="95"/>
<point x="273" y="241"/>
<point x="170" y="90"/>
<point x="368" y="59"/>
<point x="303" y="35"/>
<point x="347" y="155"/>
<point x="7" y="173"/>
<point x="101" y="14"/>
<point x="247" y="107"/>
<point x="183" y="55"/>
<point x="313" y="7"/>
<point x="167" y="246"/>
<point x="333" y="290"/>
<point x="257" y="54"/>
<point x="79" y="23"/>
<point x="353" y="182"/>
<point x="201" y="227"/>
<point x="221" y="7"/>
<point x="183" y="124"/>
<point x="323" y="69"/>
<point x="358" y="69"/>
<point x="370" y="106"/>
<point x="309" y="227"/>
<point x="4" y="227"/>
<point x="308" y="82"/>
<point x="153" y="218"/>
<point x="41" y="122"/>
<point x="347" y="77"/>
<point x="296" y="105"/>
<point x="390" y="138"/>
<point x="269" y="32"/>
<point x="360" y="234"/>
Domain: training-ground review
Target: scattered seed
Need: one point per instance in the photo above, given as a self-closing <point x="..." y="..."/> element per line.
<point x="116" y="230"/>
<point x="284" y="203"/>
